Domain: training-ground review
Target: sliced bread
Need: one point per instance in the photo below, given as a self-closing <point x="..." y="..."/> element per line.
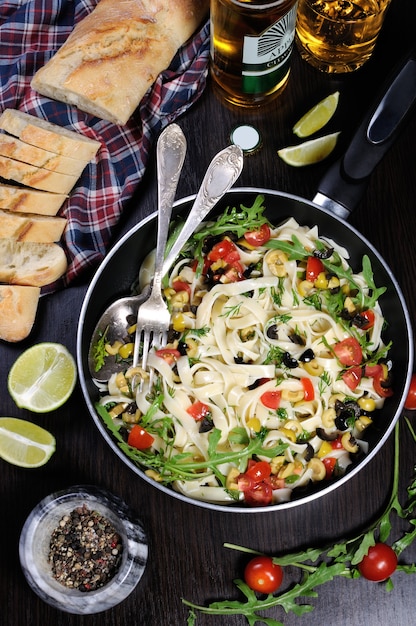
<point x="25" y="200"/>
<point x="18" y="306"/>
<point x="43" y="134"/>
<point x="28" y="263"/>
<point x="14" y="148"/>
<point x="31" y="227"/>
<point x="36" y="177"/>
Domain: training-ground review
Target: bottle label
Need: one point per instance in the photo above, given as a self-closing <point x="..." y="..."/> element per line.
<point x="266" y="57"/>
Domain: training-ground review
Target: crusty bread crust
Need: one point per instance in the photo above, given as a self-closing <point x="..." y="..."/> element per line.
<point x="115" y="54"/>
<point x="36" y="177"/>
<point x="30" y="227"/>
<point x="16" y="149"/>
<point x="28" y="263"/>
<point x="43" y="134"/>
<point x="18" y="306"/>
<point x="26" y="200"/>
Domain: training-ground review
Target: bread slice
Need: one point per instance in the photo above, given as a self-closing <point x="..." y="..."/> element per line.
<point x="25" y="200"/>
<point x="115" y="54"/>
<point x="42" y="134"/>
<point x="31" y="227"/>
<point x="16" y="149"/>
<point x="18" y="306"/>
<point x="36" y="177"/>
<point x="28" y="263"/>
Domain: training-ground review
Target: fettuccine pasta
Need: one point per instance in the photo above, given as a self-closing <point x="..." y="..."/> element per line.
<point x="275" y="366"/>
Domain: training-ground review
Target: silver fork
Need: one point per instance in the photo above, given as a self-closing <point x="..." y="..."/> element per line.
<point x="153" y="317"/>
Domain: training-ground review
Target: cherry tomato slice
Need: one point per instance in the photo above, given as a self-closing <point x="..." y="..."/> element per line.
<point x="262" y="575"/>
<point x="181" y="285"/>
<point x="258" y="237"/>
<point x="260" y="494"/>
<point x="352" y="377"/>
<point x="139" y="438"/>
<point x="221" y="250"/>
<point x="369" y="317"/>
<point x="271" y="399"/>
<point x="314" y="267"/>
<point x="308" y="389"/>
<point x="379" y="563"/>
<point x="259" y="471"/>
<point x="330" y="463"/>
<point x="410" y="403"/>
<point x="199" y="410"/>
<point x="348" y="351"/>
<point x="169" y="354"/>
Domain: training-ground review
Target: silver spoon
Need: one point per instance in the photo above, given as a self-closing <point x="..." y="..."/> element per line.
<point x="222" y="172"/>
<point x="171" y="150"/>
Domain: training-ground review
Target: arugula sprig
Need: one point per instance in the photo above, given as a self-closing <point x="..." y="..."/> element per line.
<point x="237" y="220"/>
<point x="321" y="565"/>
<point x="182" y="466"/>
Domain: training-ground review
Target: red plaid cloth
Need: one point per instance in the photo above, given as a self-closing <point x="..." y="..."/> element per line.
<point x="30" y="33"/>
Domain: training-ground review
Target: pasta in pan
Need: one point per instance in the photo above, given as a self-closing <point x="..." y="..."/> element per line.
<point x="275" y="365"/>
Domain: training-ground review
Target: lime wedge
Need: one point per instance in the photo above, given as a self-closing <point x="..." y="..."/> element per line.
<point x="25" y="444"/>
<point x="317" y="117"/>
<point x="309" y="152"/>
<point x="43" y="377"/>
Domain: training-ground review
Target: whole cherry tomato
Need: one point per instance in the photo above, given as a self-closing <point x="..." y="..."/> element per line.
<point x="410" y="403"/>
<point x="261" y="574"/>
<point x="379" y="563"/>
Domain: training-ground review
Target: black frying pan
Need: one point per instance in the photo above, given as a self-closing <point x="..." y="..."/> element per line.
<point x="338" y="194"/>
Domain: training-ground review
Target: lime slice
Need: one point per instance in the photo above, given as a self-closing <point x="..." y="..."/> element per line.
<point x="309" y="152"/>
<point x="43" y="377"/>
<point x="317" y="117"/>
<point x="25" y="444"/>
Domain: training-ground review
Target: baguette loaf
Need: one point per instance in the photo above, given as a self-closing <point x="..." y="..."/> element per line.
<point x="30" y="200"/>
<point x="36" y="177"/>
<point x="27" y="263"/>
<point x="18" y="306"/>
<point x="115" y="54"/>
<point x="42" y="134"/>
<point x="31" y="227"/>
<point x="16" y="149"/>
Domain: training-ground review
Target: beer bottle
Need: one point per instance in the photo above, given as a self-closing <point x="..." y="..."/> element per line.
<point x="251" y="45"/>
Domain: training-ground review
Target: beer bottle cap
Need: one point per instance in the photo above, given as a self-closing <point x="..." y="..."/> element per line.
<point x="247" y="137"/>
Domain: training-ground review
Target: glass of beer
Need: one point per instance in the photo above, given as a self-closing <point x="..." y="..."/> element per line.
<point x="338" y="35"/>
<point x="251" y="46"/>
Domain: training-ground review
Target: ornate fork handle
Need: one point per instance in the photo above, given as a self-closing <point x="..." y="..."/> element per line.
<point x="171" y="149"/>
<point x="221" y="174"/>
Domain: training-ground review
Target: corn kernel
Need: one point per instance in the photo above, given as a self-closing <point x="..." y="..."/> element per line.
<point x="366" y="404"/>
<point x="178" y="322"/>
<point x="325" y="449"/>
<point x="254" y="424"/>
<point x="155" y="475"/>
<point x="231" y="480"/>
<point x="126" y="350"/>
<point x="321" y="281"/>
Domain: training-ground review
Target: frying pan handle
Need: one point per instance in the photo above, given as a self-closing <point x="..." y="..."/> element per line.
<point x="343" y="186"/>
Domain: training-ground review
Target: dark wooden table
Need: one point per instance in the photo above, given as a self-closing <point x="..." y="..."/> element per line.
<point x="187" y="558"/>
